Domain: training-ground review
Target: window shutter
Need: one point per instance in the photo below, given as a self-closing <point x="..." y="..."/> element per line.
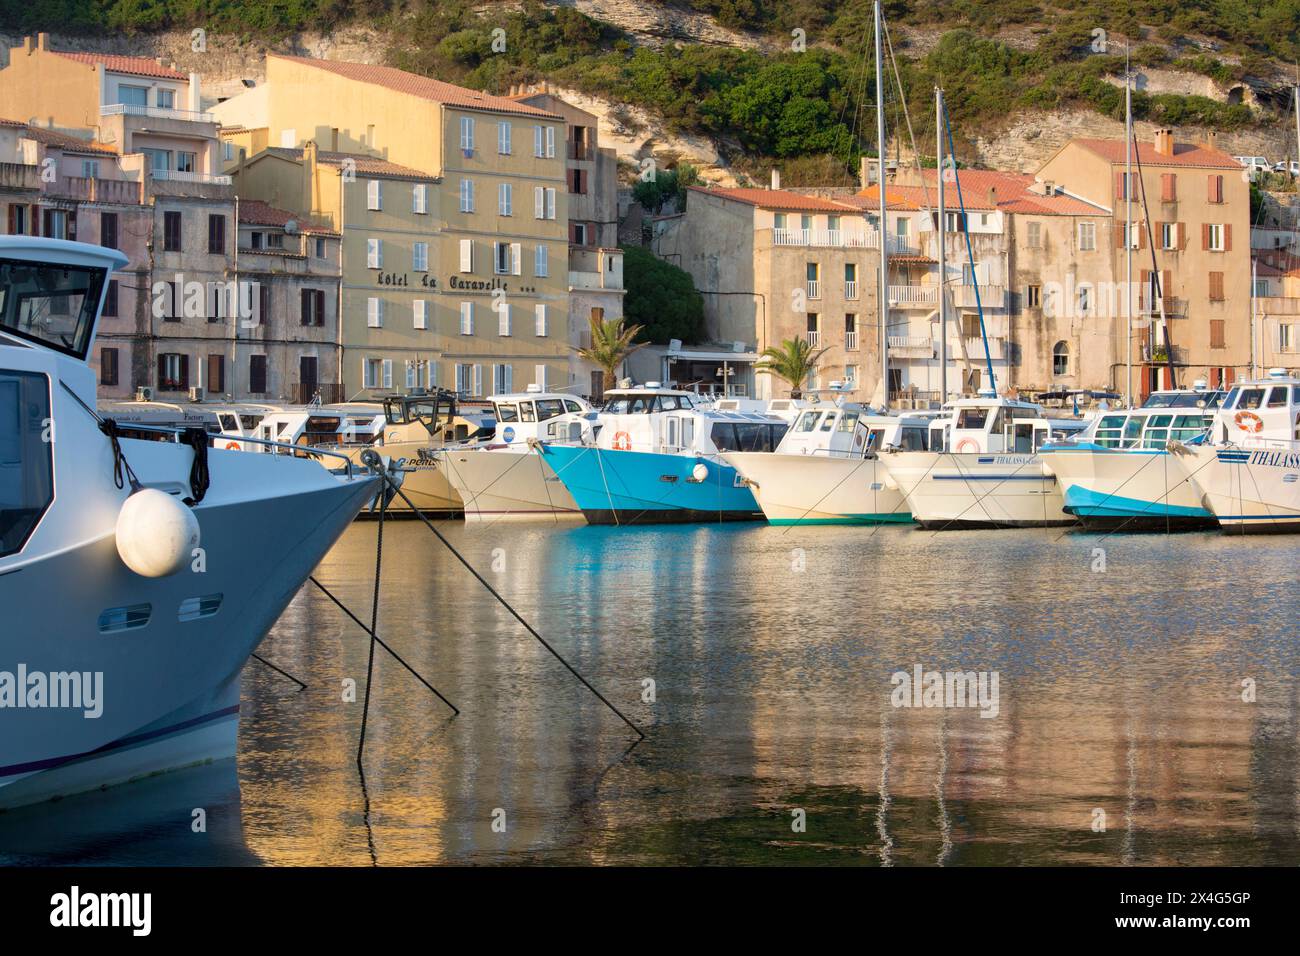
<point x="1227" y="237"/>
<point x="467" y="318"/>
<point x="539" y="376"/>
<point x="541" y="267"/>
<point x="550" y="201"/>
<point x="516" y="255"/>
<point x="1182" y="236"/>
<point x="478" y="379"/>
<point x="503" y="318"/>
<point x="537" y="141"/>
<point x="467" y="255"/>
<point x="1205" y="235"/>
<point x="508" y="377"/>
<point x="1119" y="235"/>
<point x="1142" y="234"/>
<point x="539" y="311"/>
<point x="1119" y="185"/>
<point x="421" y="314"/>
<point x="374" y="194"/>
<point x="388" y="373"/>
<point x="539" y="201"/>
<point x="550" y="142"/>
<point x="374" y="312"/>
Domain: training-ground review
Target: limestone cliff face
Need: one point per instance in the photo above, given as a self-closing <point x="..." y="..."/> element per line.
<point x="1019" y="142"/>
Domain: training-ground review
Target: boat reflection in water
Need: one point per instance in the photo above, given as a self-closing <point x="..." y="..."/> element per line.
<point x="764" y="704"/>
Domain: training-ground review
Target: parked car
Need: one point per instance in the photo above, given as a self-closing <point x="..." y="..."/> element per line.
<point x="1256" y="164"/>
<point x="1291" y="166"/>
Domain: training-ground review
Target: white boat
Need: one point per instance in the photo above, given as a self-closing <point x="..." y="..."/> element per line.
<point x="1248" y="467"/>
<point x="1116" y="474"/>
<point x="826" y="470"/>
<point x="505" y="478"/>
<point x="983" y="469"/>
<point x="129" y="611"/>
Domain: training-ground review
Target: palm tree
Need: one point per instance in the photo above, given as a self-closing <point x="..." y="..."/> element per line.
<point x="611" y="344"/>
<point x="794" y="361"/>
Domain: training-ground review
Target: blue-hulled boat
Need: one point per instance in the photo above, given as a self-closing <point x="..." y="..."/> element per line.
<point x="655" y="459"/>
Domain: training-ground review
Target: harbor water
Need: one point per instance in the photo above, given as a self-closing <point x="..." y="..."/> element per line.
<point x="1147" y="708"/>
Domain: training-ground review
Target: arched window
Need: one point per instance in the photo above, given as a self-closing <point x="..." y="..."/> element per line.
<point x="1060" y="359"/>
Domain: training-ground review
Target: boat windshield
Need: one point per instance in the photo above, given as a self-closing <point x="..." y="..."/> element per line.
<point x="1177" y="399"/>
<point x="52" y="304"/>
<point x="548" y="408"/>
<point x="972" y="419"/>
<point x="631" y="405"/>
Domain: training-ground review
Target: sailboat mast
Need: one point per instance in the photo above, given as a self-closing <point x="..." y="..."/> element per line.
<point x="1128" y="229"/>
<point x="883" y="230"/>
<point x="940" y="233"/>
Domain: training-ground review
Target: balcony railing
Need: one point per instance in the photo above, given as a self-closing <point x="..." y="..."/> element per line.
<point x="156" y="112"/>
<point x="990" y="296"/>
<point x="19" y="176"/>
<point x="850" y="341"/>
<point x="850" y="289"/>
<point x="94" y="189"/>
<point x="814" y="337"/>
<point x="176" y="176"/>
<point x="839" y="239"/>
<point x="912" y="295"/>
<point x="814" y="289"/>
<point x="1278" y="305"/>
<point x="911" y="346"/>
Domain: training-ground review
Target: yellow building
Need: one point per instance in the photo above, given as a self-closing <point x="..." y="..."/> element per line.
<point x="453" y="208"/>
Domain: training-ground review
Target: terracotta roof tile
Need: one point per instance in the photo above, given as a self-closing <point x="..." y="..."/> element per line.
<point x="779" y="199"/>
<point x="365" y="165"/>
<point x="134" y="65"/>
<point x="1011" y="192"/>
<point x="422" y="86"/>
<point x="257" y="213"/>
<point x="49" y="137"/>
<point x="1185" y="154"/>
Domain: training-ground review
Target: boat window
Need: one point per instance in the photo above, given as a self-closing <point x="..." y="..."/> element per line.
<point x="1132" y="431"/>
<point x="1295" y="394"/>
<point x="848" y="421"/>
<point x="249" y="422"/>
<point x="668" y="403"/>
<point x="52" y="304"/>
<point x="229" y="423"/>
<point x="548" y="408"/>
<point x="724" y="436"/>
<point x="1026" y="436"/>
<point x="26" y="463"/>
<point x="828" y="422"/>
<point x="1251" y="398"/>
<point x="876" y="439"/>
<point x="1277" y="397"/>
<point x="571" y="406"/>
<point x="526" y="412"/>
<point x="1186" y="427"/>
<point x="1230" y="400"/>
<point x="1157" y="431"/>
<point x="507" y="413"/>
<point x="972" y="418"/>
<point x="913" y="439"/>
<point x="757" y="436"/>
<point x="1110" y="431"/>
<point x="808" y="422"/>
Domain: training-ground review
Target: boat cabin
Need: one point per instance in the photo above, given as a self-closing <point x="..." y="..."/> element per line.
<point x="436" y="418"/>
<point x="672" y="422"/>
<point x="547" y="416"/>
<point x="1173" y="414"/>
<point x="994" y="424"/>
<point x="1266" y="409"/>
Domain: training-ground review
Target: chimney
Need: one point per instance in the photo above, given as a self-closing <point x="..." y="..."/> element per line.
<point x="1211" y="140"/>
<point x="42" y="41"/>
<point x="776" y="178"/>
<point x="1165" y="142"/>
<point x="311" y="176"/>
<point x="27" y="45"/>
<point x="993" y="196"/>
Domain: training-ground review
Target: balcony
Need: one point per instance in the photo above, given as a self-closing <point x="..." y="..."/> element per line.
<point x="838" y="239"/>
<point x="990" y="296"/>
<point x="177" y="176"/>
<point x="973" y="346"/>
<point x="850" y="289"/>
<point x="814" y="337"/>
<point x="1278" y="305"/>
<point x="911" y="295"/>
<point x="915" y="398"/>
<point x="19" y="176"/>
<point x="850" y="341"/>
<point x="93" y="189"/>
<point x="814" y="289"/>
<point x="911" y="346"/>
<point x="156" y="112"/>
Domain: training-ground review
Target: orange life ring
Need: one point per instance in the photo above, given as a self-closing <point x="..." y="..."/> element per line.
<point x="622" y="441"/>
<point x="972" y="443"/>
<point x="1249" y="422"/>
<point x="234" y="446"/>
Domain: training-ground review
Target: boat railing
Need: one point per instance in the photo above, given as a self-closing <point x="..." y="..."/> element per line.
<point x="299" y="451"/>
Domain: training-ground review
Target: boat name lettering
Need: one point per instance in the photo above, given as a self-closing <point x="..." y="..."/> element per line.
<point x="1276" y="459"/>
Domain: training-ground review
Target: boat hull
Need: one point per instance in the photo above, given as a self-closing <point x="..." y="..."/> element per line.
<point x="1127" y="490"/>
<point x="973" y="490"/>
<point x="813" y="489"/>
<point x="1249" y="490"/>
<point x="632" y="487"/>
<point x="426" y="483"/>
<point x="166" y="653"/>
<point x="508" y="485"/>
